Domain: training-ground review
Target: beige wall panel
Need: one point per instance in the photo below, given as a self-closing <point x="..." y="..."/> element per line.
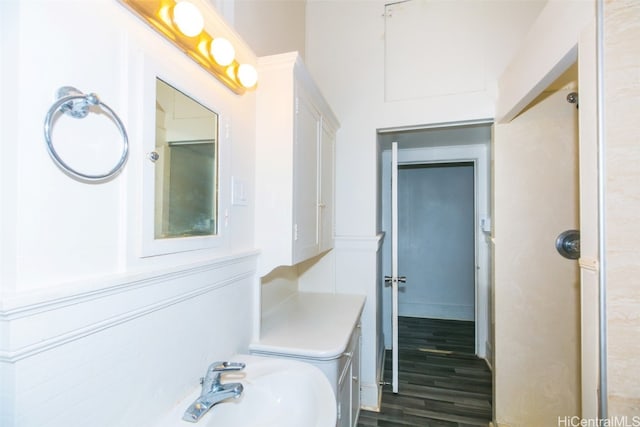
<point x="536" y="291"/>
<point x="622" y="110"/>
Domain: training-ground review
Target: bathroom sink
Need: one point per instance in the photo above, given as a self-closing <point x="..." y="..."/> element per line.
<point x="277" y="393"/>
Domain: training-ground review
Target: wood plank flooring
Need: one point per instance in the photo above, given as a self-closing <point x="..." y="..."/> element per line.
<point x="442" y="384"/>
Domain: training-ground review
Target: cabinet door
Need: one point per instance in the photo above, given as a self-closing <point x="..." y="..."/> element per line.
<point x="344" y="398"/>
<point x="327" y="182"/>
<point x="306" y="186"/>
<point x="355" y="378"/>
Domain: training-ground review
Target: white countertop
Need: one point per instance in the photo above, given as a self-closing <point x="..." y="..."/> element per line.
<point x="313" y="325"/>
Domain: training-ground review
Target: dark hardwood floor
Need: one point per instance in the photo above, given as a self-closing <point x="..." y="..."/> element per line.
<point x="441" y="382"/>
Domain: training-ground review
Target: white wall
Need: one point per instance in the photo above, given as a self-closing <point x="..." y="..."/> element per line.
<point x="91" y="332"/>
<point x="348" y="64"/>
<point x="351" y="254"/>
<point x="271" y="26"/>
<point x="552" y="42"/>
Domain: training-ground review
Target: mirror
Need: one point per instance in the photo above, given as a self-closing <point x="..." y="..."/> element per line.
<point x="186" y="172"/>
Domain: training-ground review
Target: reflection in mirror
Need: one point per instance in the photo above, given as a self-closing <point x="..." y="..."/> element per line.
<point x="186" y="166"/>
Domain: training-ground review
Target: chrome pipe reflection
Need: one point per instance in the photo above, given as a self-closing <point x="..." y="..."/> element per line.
<point x="603" y="411"/>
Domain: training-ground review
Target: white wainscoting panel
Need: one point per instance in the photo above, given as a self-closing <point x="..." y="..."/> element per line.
<point x="124" y="354"/>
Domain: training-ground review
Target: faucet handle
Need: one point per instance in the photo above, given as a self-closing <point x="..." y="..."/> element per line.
<point x="215" y="370"/>
<point x="226" y="366"/>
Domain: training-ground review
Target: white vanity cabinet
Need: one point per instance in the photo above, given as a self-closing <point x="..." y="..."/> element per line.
<point x="348" y="392"/>
<point x="295" y="146"/>
<point x="323" y="330"/>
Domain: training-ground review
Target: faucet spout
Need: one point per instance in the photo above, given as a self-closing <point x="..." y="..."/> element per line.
<point x="206" y="401"/>
<point x="213" y="392"/>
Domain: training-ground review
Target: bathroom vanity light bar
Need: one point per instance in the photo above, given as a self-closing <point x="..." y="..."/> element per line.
<point x="183" y="24"/>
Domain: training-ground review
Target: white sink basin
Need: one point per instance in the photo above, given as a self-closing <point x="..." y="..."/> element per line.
<point x="277" y="393"/>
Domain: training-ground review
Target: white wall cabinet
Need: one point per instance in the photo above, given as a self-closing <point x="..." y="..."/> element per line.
<point x="295" y="146"/>
<point x="327" y="183"/>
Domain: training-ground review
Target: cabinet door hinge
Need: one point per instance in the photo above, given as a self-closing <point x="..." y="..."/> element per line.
<point x="296" y="105"/>
<point x="295" y="231"/>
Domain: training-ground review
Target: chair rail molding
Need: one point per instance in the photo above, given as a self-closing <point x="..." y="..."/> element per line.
<point x="32" y="325"/>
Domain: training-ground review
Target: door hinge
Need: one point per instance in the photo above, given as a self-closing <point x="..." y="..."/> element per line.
<point x="295" y="232"/>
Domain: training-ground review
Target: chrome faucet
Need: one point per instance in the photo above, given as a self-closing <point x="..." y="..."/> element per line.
<point x="213" y="391"/>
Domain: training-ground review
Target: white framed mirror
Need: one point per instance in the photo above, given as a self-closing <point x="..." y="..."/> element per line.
<point x="186" y="171"/>
<point x="185" y="141"/>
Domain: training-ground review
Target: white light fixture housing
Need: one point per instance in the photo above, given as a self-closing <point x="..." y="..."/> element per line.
<point x="182" y="23"/>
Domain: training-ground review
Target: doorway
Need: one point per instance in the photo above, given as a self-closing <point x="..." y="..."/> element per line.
<point x="436" y="252"/>
<point x="444" y="171"/>
<point x="441" y="149"/>
<point x="436" y="244"/>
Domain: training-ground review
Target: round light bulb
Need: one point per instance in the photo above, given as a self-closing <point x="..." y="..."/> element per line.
<point x="222" y="51"/>
<point x="188" y="19"/>
<point x="247" y="75"/>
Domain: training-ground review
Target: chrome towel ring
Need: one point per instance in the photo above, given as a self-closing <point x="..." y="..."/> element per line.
<point x="76" y="104"/>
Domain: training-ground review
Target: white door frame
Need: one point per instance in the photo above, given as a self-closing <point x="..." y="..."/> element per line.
<point x="394" y="266"/>
<point x="479" y="155"/>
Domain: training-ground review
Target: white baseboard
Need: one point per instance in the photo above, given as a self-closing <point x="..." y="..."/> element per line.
<point x="371" y="394"/>
<point x="437" y="311"/>
<point x="488" y="355"/>
<point x="370" y="397"/>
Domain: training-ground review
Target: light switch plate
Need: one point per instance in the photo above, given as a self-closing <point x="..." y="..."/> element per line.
<point x="238" y="192"/>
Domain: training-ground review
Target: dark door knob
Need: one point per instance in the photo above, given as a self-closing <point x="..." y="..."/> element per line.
<point x="568" y="244"/>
